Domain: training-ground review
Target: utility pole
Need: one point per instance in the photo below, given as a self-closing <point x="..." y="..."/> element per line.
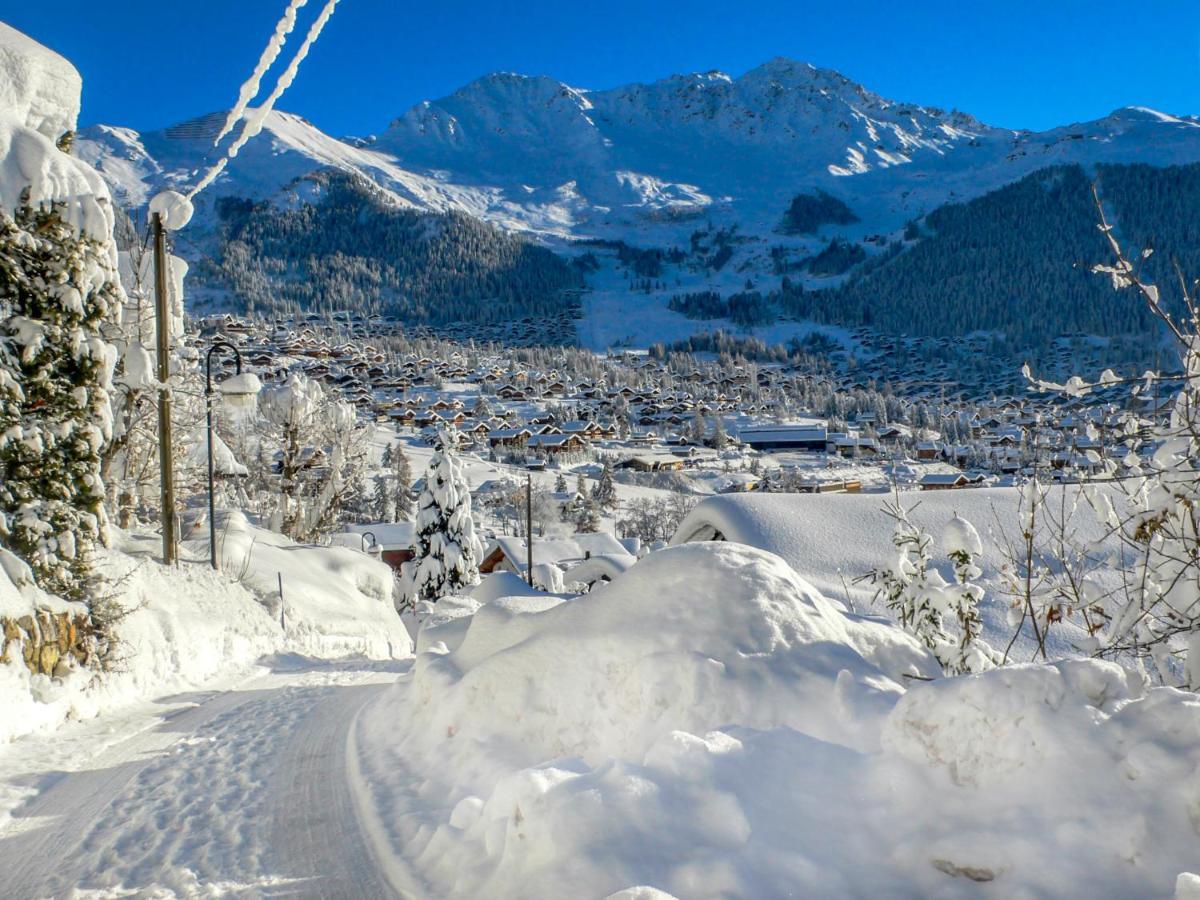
<point x="165" y="464"/>
<point x="529" y="529"/>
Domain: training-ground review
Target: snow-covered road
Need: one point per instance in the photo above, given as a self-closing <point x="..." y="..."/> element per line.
<point x="243" y="791"/>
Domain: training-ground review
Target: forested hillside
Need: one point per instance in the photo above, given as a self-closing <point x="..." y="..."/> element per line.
<point x="1017" y="259"/>
<point x="344" y="246"/>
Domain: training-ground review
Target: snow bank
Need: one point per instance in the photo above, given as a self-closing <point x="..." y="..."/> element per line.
<point x="189" y="625"/>
<point x="184" y="627"/>
<point x="39" y="89"/>
<point x="707" y="725"/>
<point x="1075" y="755"/>
<point x="336" y="601"/>
<point x="39" y="102"/>
<point x="739" y="637"/>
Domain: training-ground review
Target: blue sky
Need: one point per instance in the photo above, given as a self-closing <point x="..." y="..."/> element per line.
<point x="1017" y="64"/>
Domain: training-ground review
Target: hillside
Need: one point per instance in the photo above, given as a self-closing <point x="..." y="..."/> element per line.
<point x="343" y="244"/>
<point x="878" y="212"/>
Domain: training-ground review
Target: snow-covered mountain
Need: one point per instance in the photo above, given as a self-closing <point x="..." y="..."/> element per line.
<point x="534" y="154"/>
<point x="650" y="165"/>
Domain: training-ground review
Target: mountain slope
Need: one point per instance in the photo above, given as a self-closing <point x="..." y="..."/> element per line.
<point x="344" y="244"/>
<point x="731" y="182"/>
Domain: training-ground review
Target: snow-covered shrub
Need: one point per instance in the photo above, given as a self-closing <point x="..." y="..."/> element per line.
<point x="1153" y="505"/>
<point x="447" y="555"/>
<point x="320" y="448"/>
<point x="922" y="600"/>
<point x="57" y="288"/>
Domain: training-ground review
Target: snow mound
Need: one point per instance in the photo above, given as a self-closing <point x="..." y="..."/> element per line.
<point x="707" y="725"/>
<point x="1018" y="719"/>
<point x="39" y="102"/>
<point x="336" y="601"/>
<point x="39" y="89"/>
<point x="690" y="638"/>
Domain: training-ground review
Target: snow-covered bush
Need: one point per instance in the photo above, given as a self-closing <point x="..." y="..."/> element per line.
<point x="1149" y="498"/>
<point x="57" y="288"/>
<point x="922" y="600"/>
<point x="320" y="448"/>
<point x="447" y="556"/>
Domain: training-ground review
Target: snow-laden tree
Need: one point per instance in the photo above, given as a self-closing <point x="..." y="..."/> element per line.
<point x="130" y="458"/>
<point x="57" y="288"/>
<point x="605" y="491"/>
<point x="447" y="553"/>
<point x="320" y="450"/>
<point x="924" y="602"/>
<point x="1148" y="494"/>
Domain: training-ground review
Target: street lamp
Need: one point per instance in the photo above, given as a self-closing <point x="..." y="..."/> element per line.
<point x="238" y="392"/>
<point x="363" y="539"/>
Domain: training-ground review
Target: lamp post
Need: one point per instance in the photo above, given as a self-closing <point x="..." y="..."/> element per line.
<point x="363" y="539"/>
<point x="208" y="403"/>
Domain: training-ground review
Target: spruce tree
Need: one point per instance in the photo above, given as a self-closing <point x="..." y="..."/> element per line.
<point x="605" y="492"/>
<point x="402" y="483"/>
<point x="447" y="553"/>
<point x="57" y="287"/>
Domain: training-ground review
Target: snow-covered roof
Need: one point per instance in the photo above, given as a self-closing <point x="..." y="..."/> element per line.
<point x="388" y="535"/>
<point x="558" y="550"/>
<point x="832" y="538"/>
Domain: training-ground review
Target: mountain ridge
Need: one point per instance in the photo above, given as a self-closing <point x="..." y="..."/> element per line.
<point x="652" y="166"/>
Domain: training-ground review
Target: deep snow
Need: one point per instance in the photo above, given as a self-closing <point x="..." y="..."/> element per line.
<point x="708" y="726"/>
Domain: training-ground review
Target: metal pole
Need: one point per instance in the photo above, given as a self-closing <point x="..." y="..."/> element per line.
<point x="529" y="529"/>
<point x="165" y="464"/>
<point x="363" y="540"/>
<point x="208" y="394"/>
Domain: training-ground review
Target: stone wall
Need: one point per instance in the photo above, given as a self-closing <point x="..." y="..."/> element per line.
<point x="46" y="641"/>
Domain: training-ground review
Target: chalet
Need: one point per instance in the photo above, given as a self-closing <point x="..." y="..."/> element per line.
<point x="928" y="450"/>
<point x="392" y="541"/>
<point x="652" y="462"/>
<point x="509" y="437"/>
<point x="785" y="437"/>
<point x="945" y="481"/>
<point x="556" y="443"/>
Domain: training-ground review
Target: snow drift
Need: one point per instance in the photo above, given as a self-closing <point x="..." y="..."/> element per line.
<point x="39" y="103"/>
<point x="708" y="725"/>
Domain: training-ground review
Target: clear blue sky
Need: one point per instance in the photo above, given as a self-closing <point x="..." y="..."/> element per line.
<point x="1017" y="64"/>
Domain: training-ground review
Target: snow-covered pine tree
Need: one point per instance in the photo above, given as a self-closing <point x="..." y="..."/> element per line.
<point x="447" y="554"/>
<point x="605" y="491"/>
<point x="57" y="288"/>
<point x="720" y="438"/>
<point x="402" y="484"/>
<point x="587" y="519"/>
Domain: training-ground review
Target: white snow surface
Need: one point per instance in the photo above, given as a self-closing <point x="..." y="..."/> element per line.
<point x="190" y="625"/>
<point x="39" y="89"/>
<point x="39" y="102"/>
<point x="708" y="725"/>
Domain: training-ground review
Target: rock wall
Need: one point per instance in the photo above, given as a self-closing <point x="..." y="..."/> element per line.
<point x="46" y="641"/>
